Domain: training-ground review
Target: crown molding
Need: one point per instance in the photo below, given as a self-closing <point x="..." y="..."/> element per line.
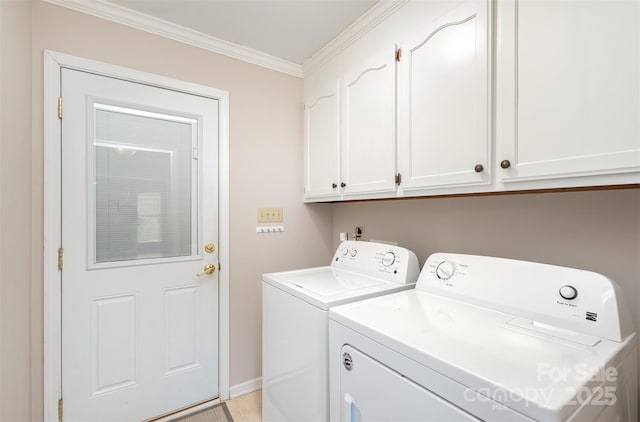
<point x="116" y="13"/>
<point x="365" y="23"/>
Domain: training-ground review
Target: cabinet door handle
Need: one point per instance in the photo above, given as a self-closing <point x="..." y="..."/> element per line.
<point x="505" y="164"/>
<point x="333" y="185"/>
<point x="342" y="185"/>
<point x="479" y="168"/>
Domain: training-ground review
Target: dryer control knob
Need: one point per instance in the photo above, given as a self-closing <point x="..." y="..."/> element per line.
<point x="354" y="252"/>
<point x="568" y="292"/>
<point x="345" y="251"/>
<point x="388" y="259"/>
<point x="445" y="270"/>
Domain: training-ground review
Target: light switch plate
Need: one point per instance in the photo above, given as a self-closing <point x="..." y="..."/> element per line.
<point x="270" y="215"/>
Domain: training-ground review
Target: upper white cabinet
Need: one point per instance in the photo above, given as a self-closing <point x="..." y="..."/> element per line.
<point x="350" y="128"/>
<point x="367" y="94"/>
<point x="322" y="141"/>
<point x="568" y="93"/>
<point x="557" y="105"/>
<point x="444" y="109"/>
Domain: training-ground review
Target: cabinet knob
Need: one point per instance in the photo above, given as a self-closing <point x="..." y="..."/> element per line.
<point x="479" y="168"/>
<point x="505" y="164"/>
<point x="342" y="185"/>
<point x="333" y="185"/>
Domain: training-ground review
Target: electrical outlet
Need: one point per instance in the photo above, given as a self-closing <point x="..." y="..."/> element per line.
<point x="270" y="215"/>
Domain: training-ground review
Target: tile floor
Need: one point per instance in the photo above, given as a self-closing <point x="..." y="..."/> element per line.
<point x="247" y="408"/>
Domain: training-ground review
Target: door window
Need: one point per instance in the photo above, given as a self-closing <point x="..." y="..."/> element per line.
<point x="144" y="185"/>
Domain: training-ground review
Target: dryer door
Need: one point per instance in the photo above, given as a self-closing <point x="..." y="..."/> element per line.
<point x="366" y="386"/>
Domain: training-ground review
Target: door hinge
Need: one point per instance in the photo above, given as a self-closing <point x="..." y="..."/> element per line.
<point x="59" y="107"/>
<point x="59" y="409"/>
<point x="60" y="253"/>
<point x="219" y="267"/>
<point x="398" y="54"/>
<point x="398" y="179"/>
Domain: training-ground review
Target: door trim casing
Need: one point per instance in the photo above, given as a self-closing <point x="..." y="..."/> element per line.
<point x="53" y="63"/>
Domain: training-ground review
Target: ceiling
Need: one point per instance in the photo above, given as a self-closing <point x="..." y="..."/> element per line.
<point x="288" y="29"/>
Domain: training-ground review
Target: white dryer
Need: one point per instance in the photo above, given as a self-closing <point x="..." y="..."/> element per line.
<point x="483" y="338"/>
<point x="295" y="326"/>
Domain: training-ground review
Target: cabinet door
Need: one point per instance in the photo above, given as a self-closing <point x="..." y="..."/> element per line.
<point x="368" y="124"/>
<point x="322" y="143"/>
<point x="568" y="90"/>
<point x="444" y="101"/>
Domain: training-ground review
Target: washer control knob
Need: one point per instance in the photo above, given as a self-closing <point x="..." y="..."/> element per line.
<point x="568" y="292"/>
<point x="445" y="270"/>
<point x="354" y="252"/>
<point x="388" y="259"/>
<point x="345" y="251"/>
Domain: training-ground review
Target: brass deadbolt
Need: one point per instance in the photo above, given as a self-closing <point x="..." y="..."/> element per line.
<point x="209" y="248"/>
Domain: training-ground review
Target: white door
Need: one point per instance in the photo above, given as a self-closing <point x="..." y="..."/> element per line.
<point x="139" y="206"/>
<point x="444" y="101"/>
<point x="368" y="124"/>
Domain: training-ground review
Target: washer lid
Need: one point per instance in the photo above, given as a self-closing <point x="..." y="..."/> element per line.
<point x="327" y="286"/>
<point x="330" y="282"/>
<point x="536" y="370"/>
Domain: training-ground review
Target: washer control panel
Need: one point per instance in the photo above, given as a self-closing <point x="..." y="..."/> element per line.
<point x="393" y="263"/>
<point x="569" y="298"/>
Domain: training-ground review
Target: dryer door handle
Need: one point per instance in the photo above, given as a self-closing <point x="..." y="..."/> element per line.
<point x="350" y="408"/>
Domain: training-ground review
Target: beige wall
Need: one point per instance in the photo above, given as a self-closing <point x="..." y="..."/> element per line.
<point x="15" y="209"/>
<point x="265" y="170"/>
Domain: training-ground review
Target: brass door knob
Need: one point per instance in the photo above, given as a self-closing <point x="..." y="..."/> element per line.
<point x="208" y="270"/>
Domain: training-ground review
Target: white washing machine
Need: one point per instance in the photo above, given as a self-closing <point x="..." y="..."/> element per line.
<point x="483" y="338"/>
<point x="295" y="327"/>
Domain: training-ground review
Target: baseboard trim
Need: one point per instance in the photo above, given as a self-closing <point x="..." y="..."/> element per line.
<point x="245" y="387"/>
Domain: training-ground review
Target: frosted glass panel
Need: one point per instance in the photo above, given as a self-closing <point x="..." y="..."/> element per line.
<point x="144" y="187"/>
